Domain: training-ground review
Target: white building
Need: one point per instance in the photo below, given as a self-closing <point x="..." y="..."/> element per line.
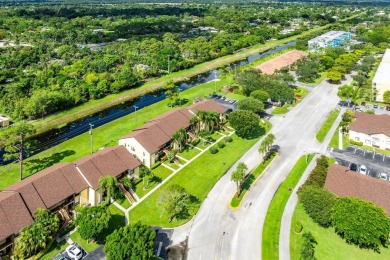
<point x="381" y="80"/>
<point x="330" y="39"/>
<point x="371" y="130"/>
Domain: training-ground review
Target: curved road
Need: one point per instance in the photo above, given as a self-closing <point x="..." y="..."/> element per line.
<point x="218" y="232"/>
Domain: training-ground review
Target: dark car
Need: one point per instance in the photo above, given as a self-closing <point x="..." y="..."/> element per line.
<point x="388" y="108"/>
<point x="375" y="106"/>
<point x="363" y="103"/>
<point x="353" y="167"/>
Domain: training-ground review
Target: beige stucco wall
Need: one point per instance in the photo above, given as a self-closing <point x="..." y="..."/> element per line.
<point x="381" y="88"/>
<point x="84" y="197"/>
<point x="94" y="197"/>
<point x="134" y="147"/>
<point x="380" y="140"/>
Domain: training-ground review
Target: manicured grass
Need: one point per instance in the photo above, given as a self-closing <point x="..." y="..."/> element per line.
<point x="117" y="220"/>
<point x="234" y="96"/>
<point x="197" y="178"/>
<point x="54" y="250"/>
<point x="299" y="94"/>
<point x="189" y="152"/>
<point x="271" y="229"/>
<point x="103" y="136"/>
<point x="330" y="245"/>
<point x="159" y="174"/>
<point x="321" y="134"/>
<point x="375" y="149"/>
<point x="280" y="110"/>
<point x="236" y="200"/>
<point x="124" y="202"/>
<point x="171" y="164"/>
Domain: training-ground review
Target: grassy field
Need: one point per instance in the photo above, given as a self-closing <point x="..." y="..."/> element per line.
<point x="54" y="249"/>
<point x="236" y="200"/>
<point x="271" y="229"/>
<point x="321" y="134"/>
<point x="124" y="202"/>
<point x="197" y="178"/>
<point x="106" y="135"/>
<point x="95" y="106"/>
<point x="330" y="246"/>
<point x="189" y="152"/>
<point x="159" y="174"/>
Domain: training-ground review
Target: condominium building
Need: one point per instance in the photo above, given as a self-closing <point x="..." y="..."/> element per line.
<point x="381" y="80"/>
<point x="330" y="39"/>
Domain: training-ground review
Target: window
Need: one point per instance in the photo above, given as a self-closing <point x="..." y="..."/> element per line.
<point x="143" y="161"/>
<point x="357" y="139"/>
<point x="144" y="153"/>
<point x="368" y="141"/>
<point x="132" y="148"/>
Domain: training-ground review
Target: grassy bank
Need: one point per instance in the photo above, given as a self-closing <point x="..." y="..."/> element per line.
<point x="236" y="200"/>
<point x="271" y="229"/>
<point x="330" y="246"/>
<point x="106" y="135"/>
<point x="197" y="178"/>
<point x="321" y="134"/>
<point x="95" y="106"/>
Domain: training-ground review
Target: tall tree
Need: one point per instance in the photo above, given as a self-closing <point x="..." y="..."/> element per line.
<point x="386" y="97"/>
<point x="109" y="184"/>
<point x="14" y="143"/>
<point x="238" y="175"/>
<point x="145" y="174"/>
<point x="244" y="122"/>
<point x="174" y="201"/>
<point x="179" y="139"/>
<point x="92" y="221"/>
<point x="251" y="104"/>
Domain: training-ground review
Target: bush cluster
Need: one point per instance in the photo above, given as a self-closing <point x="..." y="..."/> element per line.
<point x="356" y="142"/>
<point x="154" y="166"/>
<point x="213" y="150"/>
<point x="228" y="139"/>
<point x="317" y="176"/>
<point x="221" y="145"/>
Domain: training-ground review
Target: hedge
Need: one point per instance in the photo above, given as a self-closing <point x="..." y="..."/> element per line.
<point x="356" y="143"/>
<point x="213" y="150"/>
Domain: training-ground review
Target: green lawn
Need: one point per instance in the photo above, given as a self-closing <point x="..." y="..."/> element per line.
<point x="159" y="174"/>
<point x="54" y="250"/>
<point x="330" y="246"/>
<point x="124" y="202"/>
<point x="280" y="110"/>
<point x="117" y="220"/>
<point x="106" y="135"/>
<point x="189" y="152"/>
<point x="271" y="229"/>
<point x="321" y="134"/>
<point x="236" y="200"/>
<point x="171" y="164"/>
<point x="197" y="178"/>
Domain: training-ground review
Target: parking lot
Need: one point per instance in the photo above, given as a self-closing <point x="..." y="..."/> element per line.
<point x="363" y="107"/>
<point x="226" y="102"/>
<point x="65" y="255"/>
<point x="162" y="242"/>
<point x="376" y="163"/>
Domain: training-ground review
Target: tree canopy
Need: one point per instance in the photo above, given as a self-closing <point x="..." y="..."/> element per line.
<point x="130" y="242"/>
<point x="175" y="201"/>
<point x="244" y="122"/>
<point x="251" y="104"/>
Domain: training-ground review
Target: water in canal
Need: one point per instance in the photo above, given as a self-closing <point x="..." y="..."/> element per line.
<point x="57" y="136"/>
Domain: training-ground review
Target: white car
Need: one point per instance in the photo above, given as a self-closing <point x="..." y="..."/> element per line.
<point x="384" y="176"/>
<point x="74" y="252"/>
<point x="363" y="169"/>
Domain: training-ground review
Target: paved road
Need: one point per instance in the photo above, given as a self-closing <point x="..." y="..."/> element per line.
<point x="221" y="233"/>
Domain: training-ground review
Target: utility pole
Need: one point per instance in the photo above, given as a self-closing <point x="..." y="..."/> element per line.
<point x="235" y="71"/>
<point x="90" y="136"/>
<point x="135" y="115"/>
<point x="215" y="81"/>
<point x="169" y="63"/>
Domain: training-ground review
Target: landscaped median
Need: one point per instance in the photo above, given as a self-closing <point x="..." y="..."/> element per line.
<point x="197" y="178"/>
<point x="321" y="134"/>
<point x="273" y="219"/>
<point x="237" y="198"/>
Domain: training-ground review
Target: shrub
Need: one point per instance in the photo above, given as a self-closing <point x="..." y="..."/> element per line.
<point x="213" y="150"/>
<point x="308" y="246"/>
<point x="196" y="141"/>
<point x="318" y="204"/>
<point x="297" y="228"/>
<point x="228" y="139"/>
<point x="221" y="145"/>
<point x="356" y="142"/>
<point x="317" y="176"/>
<point x="361" y="223"/>
<point x="154" y="166"/>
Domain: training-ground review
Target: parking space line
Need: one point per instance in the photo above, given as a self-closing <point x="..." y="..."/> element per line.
<point x="384" y="157"/>
<point x="159" y="249"/>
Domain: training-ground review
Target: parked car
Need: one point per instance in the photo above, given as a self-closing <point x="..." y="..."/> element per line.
<point x="388" y="108"/>
<point x="375" y="106"/>
<point x="384" y="176"/>
<point x="353" y="167"/>
<point x="363" y="103"/>
<point x="60" y="257"/>
<point x="74" y="252"/>
<point x="363" y="169"/>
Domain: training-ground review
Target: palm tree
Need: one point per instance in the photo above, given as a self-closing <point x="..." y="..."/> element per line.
<point x="109" y="184"/>
<point x="145" y="174"/>
<point x="270" y="141"/>
<point x="194" y="121"/>
<point x="179" y="139"/>
<point x="238" y="176"/>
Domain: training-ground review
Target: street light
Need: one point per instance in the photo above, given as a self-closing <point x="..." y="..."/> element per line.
<point x="90" y="136"/>
<point x="135" y="115"/>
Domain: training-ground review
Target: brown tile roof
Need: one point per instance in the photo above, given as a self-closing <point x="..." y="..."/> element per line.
<point x="51" y="186"/>
<point x="281" y="61"/>
<point x="157" y="132"/>
<point x="13" y="214"/>
<point x="371" y="124"/>
<point x="345" y="183"/>
<point x="109" y="161"/>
